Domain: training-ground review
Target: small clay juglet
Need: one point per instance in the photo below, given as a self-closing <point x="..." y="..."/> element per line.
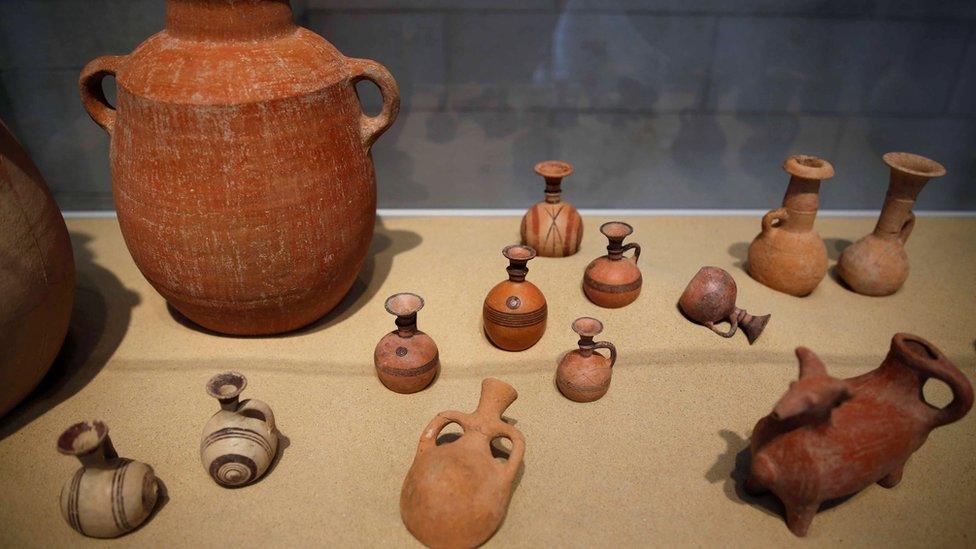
<point x="613" y="280"/>
<point x="108" y="496"/>
<point x="553" y="227"/>
<point x="583" y="374"/>
<point x="240" y="441"/>
<point x="406" y="359"/>
<point x="710" y="299"/>
<point x="515" y="310"/>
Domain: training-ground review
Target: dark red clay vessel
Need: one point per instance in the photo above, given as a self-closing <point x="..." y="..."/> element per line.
<point x="583" y="374"/>
<point x="553" y="227"/>
<point x="710" y="299"/>
<point x="515" y="310"/>
<point x="612" y="280"/>
<point x="789" y="255"/>
<point x="241" y="163"/>
<point x="828" y="438"/>
<point x="406" y="359"/>
<point x="877" y="264"/>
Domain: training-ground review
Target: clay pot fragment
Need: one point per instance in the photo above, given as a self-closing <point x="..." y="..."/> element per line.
<point x="456" y="494"/>
<point x="553" y="227"/>
<point x="710" y="299"/>
<point x="828" y="438"/>
<point x="515" y="310"/>
<point x="108" y="496"/>
<point x="583" y="374"/>
<point x="613" y="280"/>
<point x="406" y="359"/>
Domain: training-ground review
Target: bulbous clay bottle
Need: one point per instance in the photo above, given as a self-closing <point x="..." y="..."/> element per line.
<point x="877" y="264"/>
<point x="710" y="298"/>
<point x="515" y="309"/>
<point x="553" y="227"/>
<point x="241" y="163"/>
<point x="108" y="496"/>
<point x="456" y="494"/>
<point x="613" y="280"/>
<point x="583" y="374"/>
<point x="406" y="359"/>
<point x="788" y="255"/>
<point x="827" y="438"/>
<point x="240" y="441"/>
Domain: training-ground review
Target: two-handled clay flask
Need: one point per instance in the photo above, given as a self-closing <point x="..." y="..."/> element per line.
<point x="553" y="227"/>
<point x="709" y="299"/>
<point x="406" y="359"/>
<point x="108" y="496"/>
<point x="515" y="310"/>
<point x="789" y="255"/>
<point x="240" y="441"/>
<point x="614" y="280"/>
<point x="456" y="494"/>
<point x="584" y="374"/>
<point x="877" y="264"/>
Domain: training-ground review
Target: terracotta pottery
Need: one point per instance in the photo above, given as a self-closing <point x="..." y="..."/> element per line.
<point x="37" y="274"/>
<point x="240" y="441"/>
<point x="553" y="227"/>
<point x="583" y="375"/>
<point x="788" y="255"/>
<point x="515" y="309"/>
<point x="877" y="264"/>
<point x="108" y="496"/>
<point x="613" y="280"/>
<point x="456" y="494"/>
<point x="710" y="299"/>
<point x="240" y="158"/>
<point x="828" y="438"/>
<point x="406" y="359"/>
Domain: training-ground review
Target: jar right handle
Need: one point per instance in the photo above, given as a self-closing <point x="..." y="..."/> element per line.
<point x="907" y="227"/>
<point x="779" y="214"/>
<point x="609" y="346"/>
<point x="371" y="127"/>
<point x="92" y="94"/>
<point x="632" y="246"/>
<point x="733" y="321"/>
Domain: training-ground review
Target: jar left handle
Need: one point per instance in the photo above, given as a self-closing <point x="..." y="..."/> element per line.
<point x="371" y="127"/>
<point x="92" y="94"/>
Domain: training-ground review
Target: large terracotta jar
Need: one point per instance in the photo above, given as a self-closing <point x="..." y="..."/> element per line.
<point x="240" y="163"/>
<point x="37" y="275"/>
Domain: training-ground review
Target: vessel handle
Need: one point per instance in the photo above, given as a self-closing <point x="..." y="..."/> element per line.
<point x="371" y="127"/>
<point x="632" y="246"/>
<point x="259" y="406"/>
<point x="609" y="346"/>
<point x="779" y="214"/>
<point x="733" y="321"/>
<point x="504" y="430"/>
<point x="907" y="228"/>
<point x="92" y="94"/>
<point x="428" y="439"/>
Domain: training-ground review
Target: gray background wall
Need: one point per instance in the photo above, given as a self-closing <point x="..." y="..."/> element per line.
<point x="658" y="103"/>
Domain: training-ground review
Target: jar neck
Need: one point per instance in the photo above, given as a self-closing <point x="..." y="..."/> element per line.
<point x="228" y="19"/>
<point x="103" y="457"/>
<point x="586" y="345"/>
<point x="903" y="189"/>
<point x="406" y="325"/>
<point x="615" y="249"/>
<point x="802" y="200"/>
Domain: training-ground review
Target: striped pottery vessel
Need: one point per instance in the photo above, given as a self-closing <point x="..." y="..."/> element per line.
<point x="613" y="280"/>
<point x="240" y="441"/>
<point x="515" y="310"/>
<point x="108" y="496"/>
<point x="553" y="227"/>
<point x="406" y="359"/>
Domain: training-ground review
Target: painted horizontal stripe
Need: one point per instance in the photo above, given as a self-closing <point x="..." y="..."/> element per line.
<point x="515" y="320"/>
<point x="409" y="372"/>
<point x="612" y="288"/>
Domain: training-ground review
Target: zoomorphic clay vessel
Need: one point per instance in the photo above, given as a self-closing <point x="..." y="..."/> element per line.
<point x="583" y="374"/>
<point x="553" y="227"/>
<point x="828" y="437"/>
<point x="515" y="310"/>
<point x="710" y="299"/>
<point x="240" y="441"/>
<point x="877" y="264"/>
<point x="406" y="359"/>
<point x="37" y="274"/>
<point x="789" y="255"/>
<point x="456" y="494"/>
<point x="240" y="160"/>
<point x="613" y="280"/>
<point x="108" y="496"/>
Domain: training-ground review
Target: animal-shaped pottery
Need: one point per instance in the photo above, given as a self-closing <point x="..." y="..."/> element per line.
<point x="406" y="359"/>
<point x="828" y="438"/>
<point x="583" y="374"/>
<point x="456" y="494"/>
<point x="240" y="441"/>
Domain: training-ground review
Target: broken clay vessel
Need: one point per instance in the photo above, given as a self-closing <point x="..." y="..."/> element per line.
<point x="240" y="441"/>
<point x="613" y="280"/>
<point x="515" y="309"/>
<point x="37" y="274"/>
<point x="877" y="264"/>
<point x="583" y="374"/>
<point x="241" y="163"/>
<point x="553" y="227"/>
<point x="406" y="359"/>
<point x="108" y="496"/>
<point x="456" y="494"/>
<point x="827" y="438"/>
<point x="710" y="299"/>
<point x="789" y="255"/>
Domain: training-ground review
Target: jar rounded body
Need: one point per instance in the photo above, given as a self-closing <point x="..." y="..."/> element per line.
<point x="792" y="262"/>
<point x="406" y="364"/>
<point x="612" y="283"/>
<point x="237" y="447"/>
<point x="553" y="229"/>
<point x="515" y="315"/>
<point x="583" y="378"/>
<point x="108" y="502"/>
<point x="874" y="265"/>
